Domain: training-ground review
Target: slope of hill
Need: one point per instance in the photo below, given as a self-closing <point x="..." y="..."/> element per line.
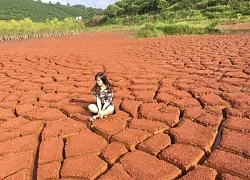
<point x="37" y="11"/>
<point x="181" y="9"/>
<point x="129" y="7"/>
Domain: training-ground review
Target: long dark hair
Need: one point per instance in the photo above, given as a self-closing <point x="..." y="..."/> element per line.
<point x="105" y="81"/>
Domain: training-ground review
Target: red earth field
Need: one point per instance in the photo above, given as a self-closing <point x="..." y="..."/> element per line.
<point x="182" y="108"/>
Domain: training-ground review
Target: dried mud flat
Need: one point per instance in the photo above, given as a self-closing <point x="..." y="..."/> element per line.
<point x="183" y="108"/>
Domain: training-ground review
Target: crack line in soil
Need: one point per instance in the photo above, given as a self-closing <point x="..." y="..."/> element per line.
<point x="197" y="99"/>
<point x="219" y="134"/>
<point x="181" y="116"/>
<point x="158" y="88"/>
<point x="37" y="154"/>
<point x="15" y="113"/>
<point x="1" y="64"/>
<point x="63" y="155"/>
<point x="29" y="60"/>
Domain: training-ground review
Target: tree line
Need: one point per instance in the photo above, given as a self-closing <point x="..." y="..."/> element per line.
<point x="26" y="28"/>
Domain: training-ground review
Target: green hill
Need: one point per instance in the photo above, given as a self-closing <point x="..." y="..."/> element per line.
<point x="181" y="9"/>
<point x="155" y="18"/>
<point x="38" y="11"/>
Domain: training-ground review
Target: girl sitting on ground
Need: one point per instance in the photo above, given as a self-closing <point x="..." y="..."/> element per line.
<point x="103" y="93"/>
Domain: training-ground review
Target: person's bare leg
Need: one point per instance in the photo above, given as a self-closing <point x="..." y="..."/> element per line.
<point x="110" y="109"/>
<point x="94" y="109"/>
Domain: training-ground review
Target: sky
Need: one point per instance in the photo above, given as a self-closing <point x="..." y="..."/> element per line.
<point x="88" y="3"/>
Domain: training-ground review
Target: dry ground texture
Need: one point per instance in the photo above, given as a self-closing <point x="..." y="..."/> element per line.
<point x="183" y="108"/>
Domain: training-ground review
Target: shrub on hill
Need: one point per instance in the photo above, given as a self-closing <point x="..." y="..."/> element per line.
<point x="149" y="31"/>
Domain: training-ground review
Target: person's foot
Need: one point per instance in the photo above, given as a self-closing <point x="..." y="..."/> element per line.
<point x="93" y="118"/>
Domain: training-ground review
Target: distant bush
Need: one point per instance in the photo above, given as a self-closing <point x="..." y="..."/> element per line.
<point x="174" y="7"/>
<point x="133" y="20"/>
<point x="173" y="17"/>
<point x="201" y="5"/>
<point x="217" y="9"/>
<point x="144" y="19"/>
<point x="168" y="16"/>
<point x="212" y="15"/>
<point x="158" y="17"/>
<point x="212" y="2"/>
<point x="148" y="31"/>
<point x="181" y="29"/>
<point x="211" y="28"/>
<point x="246" y="12"/>
<point x="226" y="14"/>
<point x="110" y="21"/>
<point x="95" y="21"/>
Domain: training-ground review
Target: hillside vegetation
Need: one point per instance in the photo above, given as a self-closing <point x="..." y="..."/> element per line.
<point x="38" y="11"/>
<point x="156" y="18"/>
<point x="180" y="9"/>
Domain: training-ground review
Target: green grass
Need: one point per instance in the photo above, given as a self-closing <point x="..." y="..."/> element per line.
<point x="115" y="27"/>
<point x="162" y="29"/>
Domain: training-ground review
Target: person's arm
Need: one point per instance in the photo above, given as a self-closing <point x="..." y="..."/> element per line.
<point x="108" y="100"/>
<point x="106" y="104"/>
<point x="98" y="101"/>
<point x="99" y="104"/>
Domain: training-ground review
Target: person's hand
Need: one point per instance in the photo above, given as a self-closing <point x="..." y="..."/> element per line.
<point x="100" y="113"/>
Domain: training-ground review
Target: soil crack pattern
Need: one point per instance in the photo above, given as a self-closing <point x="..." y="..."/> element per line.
<point x="182" y="108"/>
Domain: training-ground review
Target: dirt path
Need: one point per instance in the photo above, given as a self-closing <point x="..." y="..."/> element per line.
<point x="183" y="108"/>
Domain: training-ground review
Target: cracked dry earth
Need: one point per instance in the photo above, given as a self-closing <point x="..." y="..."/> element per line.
<point x="182" y="108"/>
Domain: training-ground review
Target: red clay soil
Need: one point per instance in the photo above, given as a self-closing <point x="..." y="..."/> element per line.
<point x="183" y="108"/>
